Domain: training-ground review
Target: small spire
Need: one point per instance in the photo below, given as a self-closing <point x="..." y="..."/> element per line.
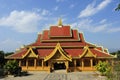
<point x="60" y="22"/>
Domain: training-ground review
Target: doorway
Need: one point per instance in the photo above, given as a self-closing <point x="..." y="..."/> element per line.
<point x="59" y="66"/>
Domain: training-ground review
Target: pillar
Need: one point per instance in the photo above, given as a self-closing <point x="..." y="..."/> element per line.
<point x="27" y="63"/>
<point x="106" y="61"/>
<point x="42" y="63"/>
<point x="66" y="64"/>
<point x="91" y="62"/>
<point x="75" y="64"/>
<point x="82" y="64"/>
<point x="112" y="62"/>
<point x="19" y="62"/>
<point x="35" y="63"/>
<point x="96" y="61"/>
<point x="99" y="60"/>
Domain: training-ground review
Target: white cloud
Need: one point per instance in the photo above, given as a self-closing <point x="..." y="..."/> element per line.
<point x="10" y="45"/>
<point x="45" y="12"/>
<point x="99" y="28"/>
<point x="88" y="25"/>
<point x="91" y="9"/>
<point x="103" y="21"/>
<point x="114" y="30"/>
<point x="59" y="0"/>
<point x="72" y="5"/>
<point x="21" y="21"/>
<point x="56" y="8"/>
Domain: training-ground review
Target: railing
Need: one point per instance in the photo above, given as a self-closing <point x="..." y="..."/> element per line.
<point x="71" y="69"/>
<point x="32" y="68"/>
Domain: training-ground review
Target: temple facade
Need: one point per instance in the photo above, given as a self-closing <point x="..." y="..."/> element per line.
<point x="60" y="47"/>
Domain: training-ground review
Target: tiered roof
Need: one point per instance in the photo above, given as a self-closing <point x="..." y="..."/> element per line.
<point x="71" y="43"/>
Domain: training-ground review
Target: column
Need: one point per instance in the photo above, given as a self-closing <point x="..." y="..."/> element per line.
<point x="106" y="61"/>
<point x="19" y="62"/>
<point x="66" y="63"/>
<point x="91" y="62"/>
<point x="96" y="61"/>
<point x="50" y="66"/>
<point x="112" y="64"/>
<point x="27" y="63"/>
<point x="75" y="64"/>
<point x="99" y="60"/>
<point x="35" y="63"/>
<point x="42" y="64"/>
<point x="82" y="64"/>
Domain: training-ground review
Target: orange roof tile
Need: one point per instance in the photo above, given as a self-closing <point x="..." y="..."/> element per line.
<point x="18" y="54"/>
<point x="63" y="31"/>
<point x="100" y="53"/>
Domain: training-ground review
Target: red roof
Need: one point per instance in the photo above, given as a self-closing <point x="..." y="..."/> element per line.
<point x="100" y="48"/>
<point x="100" y="53"/>
<point x="63" y="31"/>
<point x="18" y="54"/>
<point x="81" y="37"/>
<point x="46" y="37"/>
<point x="70" y="40"/>
<point x="63" y="44"/>
<point x="74" y="52"/>
<point x="44" y="52"/>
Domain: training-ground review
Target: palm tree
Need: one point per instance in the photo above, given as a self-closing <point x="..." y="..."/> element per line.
<point x="118" y="8"/>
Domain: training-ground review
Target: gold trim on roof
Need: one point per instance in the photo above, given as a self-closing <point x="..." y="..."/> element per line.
<point x="30" y="53"/>
<point x="87" y="53"/>
<point x="61" y="51"/>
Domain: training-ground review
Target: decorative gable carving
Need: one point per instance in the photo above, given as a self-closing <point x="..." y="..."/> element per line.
<point x="58" y="53"/>
<point x="87" y="53"/>
<point x="30" y="53"/>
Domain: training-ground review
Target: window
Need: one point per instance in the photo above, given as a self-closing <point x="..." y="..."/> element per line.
<point x="46" y="63"/>
<point x="78" y="62"/>
<point x="39" y="62"/>
<point x="31" y="62"/>
<point x="23" y="63"/>
<point x="71" y="64"/>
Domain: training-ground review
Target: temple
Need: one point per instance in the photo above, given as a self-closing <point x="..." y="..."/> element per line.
<point x="60" y="47"/>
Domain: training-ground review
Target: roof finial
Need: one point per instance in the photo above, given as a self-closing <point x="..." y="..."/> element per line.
<point x="60" y="22"/>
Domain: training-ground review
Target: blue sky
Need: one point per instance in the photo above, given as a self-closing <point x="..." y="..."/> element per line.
<point x="21" y="20"/>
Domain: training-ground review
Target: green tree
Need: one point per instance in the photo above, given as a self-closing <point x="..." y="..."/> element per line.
<point x="116" y="53"/>
<point x="118" y="7"/>
<point x="1" y="59"/>
<point x="104" y="68"/>
<point x="8" y="53"/>
<point x="11" y="66"/>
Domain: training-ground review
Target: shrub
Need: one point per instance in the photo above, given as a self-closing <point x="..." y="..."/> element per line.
<point x="1" y="72"/>
<point x="11" y="66"/>
<point x="104" y="68"/>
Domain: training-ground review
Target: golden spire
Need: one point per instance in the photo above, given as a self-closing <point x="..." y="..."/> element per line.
<point x="60" y="22"/>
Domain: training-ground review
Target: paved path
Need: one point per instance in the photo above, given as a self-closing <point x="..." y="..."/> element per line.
<point x="58" y="76"/>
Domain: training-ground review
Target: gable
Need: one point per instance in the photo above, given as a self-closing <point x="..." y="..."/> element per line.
<point x="58" y="53"/>
<point x="87" y="53"/>
<point x="58" y="56"/>
<point x="30" y="53"/>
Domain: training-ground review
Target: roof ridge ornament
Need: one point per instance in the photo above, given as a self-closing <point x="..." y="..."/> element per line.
<point x="60" y="22"/>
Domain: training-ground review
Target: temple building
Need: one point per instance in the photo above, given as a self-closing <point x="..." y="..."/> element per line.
<point x="60" y="47"/>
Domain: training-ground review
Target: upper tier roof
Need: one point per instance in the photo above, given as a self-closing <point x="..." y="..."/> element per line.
<point x="56" y="31"/>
